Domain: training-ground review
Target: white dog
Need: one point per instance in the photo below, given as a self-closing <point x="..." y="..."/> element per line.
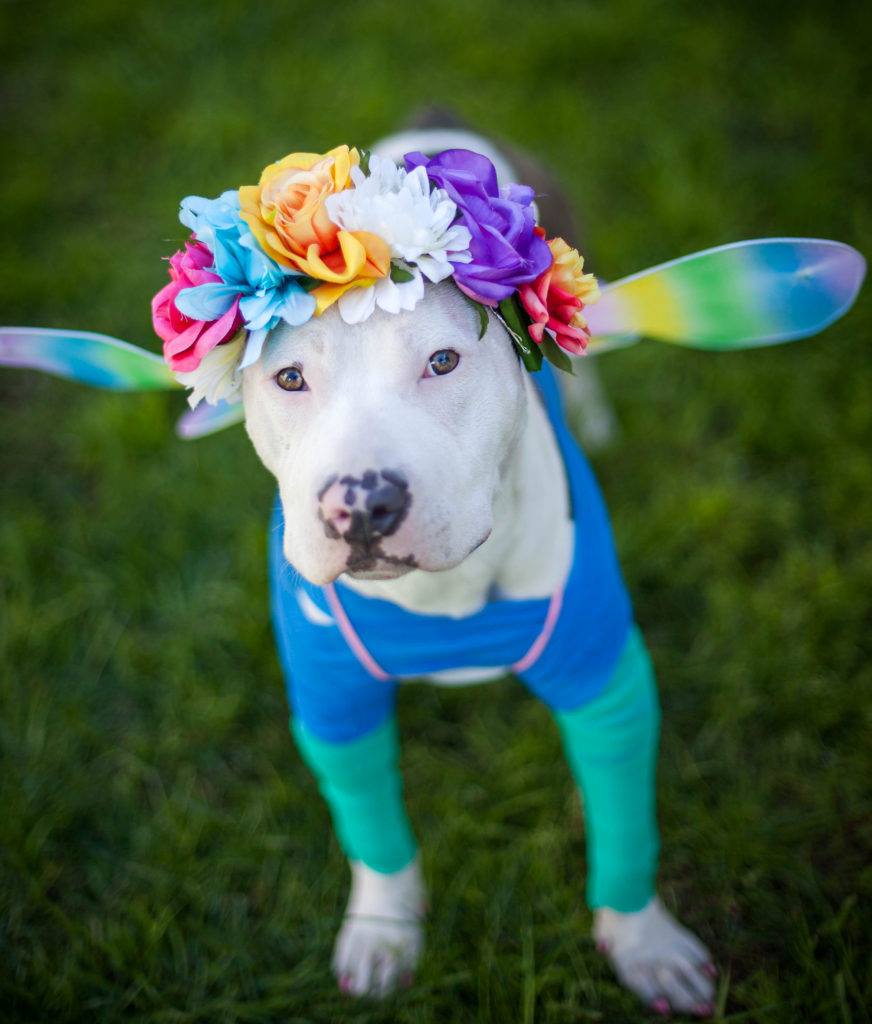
<point x="411" y="457"/>
<point x="435" y="516"/>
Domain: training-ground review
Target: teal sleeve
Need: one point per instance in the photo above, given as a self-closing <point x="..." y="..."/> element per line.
<point x="611" y="746"/>
<point x="360" y="780"/>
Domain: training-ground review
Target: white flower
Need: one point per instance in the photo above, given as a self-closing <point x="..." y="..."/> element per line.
<point x="358" y="304"/>
<point x="217" y="377"/>
<point x="400" y="207"/>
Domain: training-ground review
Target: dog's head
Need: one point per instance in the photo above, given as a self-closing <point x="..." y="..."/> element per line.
<point x="388" y="438"/>
<point x="389" y="432"/>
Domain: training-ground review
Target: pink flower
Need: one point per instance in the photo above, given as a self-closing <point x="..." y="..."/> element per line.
<point x="186" y="341"/>
<point x="556" y="298"/>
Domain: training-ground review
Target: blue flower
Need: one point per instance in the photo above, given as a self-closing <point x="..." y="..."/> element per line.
<point x="267" y="292"/>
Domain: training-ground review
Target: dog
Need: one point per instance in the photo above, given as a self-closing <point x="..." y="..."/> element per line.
<point x="411" y="457"/>
<point x="435" y="516"/>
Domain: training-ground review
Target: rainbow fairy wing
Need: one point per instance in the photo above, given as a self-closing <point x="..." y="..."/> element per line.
<point x="94" y="359"/>
<point x="105" y="362"/>
<point x="209" y="419"/>
<point x="743" y="295"/>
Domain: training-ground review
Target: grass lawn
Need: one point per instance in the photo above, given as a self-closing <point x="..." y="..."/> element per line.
<point x="164" y="855"/>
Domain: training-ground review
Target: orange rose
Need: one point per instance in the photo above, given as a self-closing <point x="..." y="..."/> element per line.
<point x="557" y="297"/>
<point x="287" y="215"/>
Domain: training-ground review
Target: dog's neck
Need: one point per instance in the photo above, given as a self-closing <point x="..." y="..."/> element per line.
<point x="529" y="550"/>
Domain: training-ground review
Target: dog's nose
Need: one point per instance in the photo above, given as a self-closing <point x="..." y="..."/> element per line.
<point x="362" y="509"/>
<point x="386" y="504"/>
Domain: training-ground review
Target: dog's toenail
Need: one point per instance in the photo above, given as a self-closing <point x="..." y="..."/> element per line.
<point x="602" y="947"/>
<point x="407" y="979"/>
<point x="661" y="1006"/>
<point x="703" y="1009"/>
<point x="345" y="983"/>
<point x="710" y="970"/>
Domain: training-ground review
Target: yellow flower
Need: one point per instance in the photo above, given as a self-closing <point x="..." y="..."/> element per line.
<point x="287" y="215"/>
<point x="567" y="272"/>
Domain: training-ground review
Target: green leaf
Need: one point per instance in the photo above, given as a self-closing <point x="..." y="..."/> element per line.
<point x="531" y="358"/>
<point x="481" y="310"/>
<point x="364" y="159"/>
<point x="555" y="354"/>
<point x="482" y="320"/>
<point x="529" y="351"/>
<point x="399" y="275"/>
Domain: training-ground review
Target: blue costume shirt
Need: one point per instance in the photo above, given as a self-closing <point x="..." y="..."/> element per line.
<point x="564" y="648"/>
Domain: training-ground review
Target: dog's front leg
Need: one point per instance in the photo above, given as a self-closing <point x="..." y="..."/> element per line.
<point x="611" y="746"/>
<point x="382" y="935"/>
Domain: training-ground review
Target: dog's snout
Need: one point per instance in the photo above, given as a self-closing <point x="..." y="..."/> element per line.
<point x="363" y="509"/>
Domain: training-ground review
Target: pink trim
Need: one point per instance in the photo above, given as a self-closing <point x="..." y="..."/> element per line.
<point x="541" y="641"/>
<point x="352" y="639"/>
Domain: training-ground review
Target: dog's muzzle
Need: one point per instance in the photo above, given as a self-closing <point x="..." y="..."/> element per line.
<point x="361" y="510"/>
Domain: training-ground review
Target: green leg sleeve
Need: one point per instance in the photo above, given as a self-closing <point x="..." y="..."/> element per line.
<point x="611" y="746"/>
<point x="360" y="780"/>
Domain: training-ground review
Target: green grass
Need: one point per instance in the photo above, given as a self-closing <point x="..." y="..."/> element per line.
<point x="164" y="856"/>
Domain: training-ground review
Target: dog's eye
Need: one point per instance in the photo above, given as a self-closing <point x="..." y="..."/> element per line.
<point x="443" y="361"/>
<point x="290" y="379"/>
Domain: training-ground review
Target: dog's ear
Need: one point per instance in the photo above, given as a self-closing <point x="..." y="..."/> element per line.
<point x="743" y="295"/>
<point x="83" y="356"/>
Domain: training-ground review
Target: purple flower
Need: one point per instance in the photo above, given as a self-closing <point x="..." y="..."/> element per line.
<point x="505" y="250"/>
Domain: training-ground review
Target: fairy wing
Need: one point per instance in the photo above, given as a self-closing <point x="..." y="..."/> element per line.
<point x="94" y="359"/>
<point x="208" y="419"/>
<point x="743" y="295"/>
<point x="106" y="362"/>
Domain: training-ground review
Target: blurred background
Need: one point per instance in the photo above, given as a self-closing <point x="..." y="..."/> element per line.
<point x="164" y="855"/>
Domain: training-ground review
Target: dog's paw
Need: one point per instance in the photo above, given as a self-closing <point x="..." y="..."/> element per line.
<point x="382" y="937"/>
<point x="653" y="956"/>
<point x="374" y="957"/>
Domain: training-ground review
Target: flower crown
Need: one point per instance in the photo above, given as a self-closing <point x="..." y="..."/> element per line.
<point x="354" y="229"/>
